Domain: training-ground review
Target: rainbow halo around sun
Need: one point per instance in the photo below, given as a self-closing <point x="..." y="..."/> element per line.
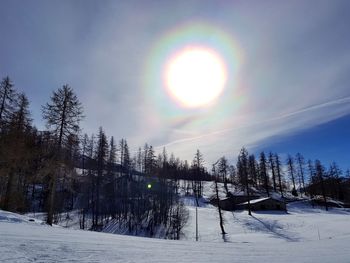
<point x="195" y="76"/>
<point x="191" y="73"/>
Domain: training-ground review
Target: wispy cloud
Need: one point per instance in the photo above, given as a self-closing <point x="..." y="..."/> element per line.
<point x="294" y="74"/>
<point x="251" y="133"/>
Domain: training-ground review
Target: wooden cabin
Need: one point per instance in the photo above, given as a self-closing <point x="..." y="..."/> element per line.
<point x="230" y="203"/>
<point x="266" y="203"/>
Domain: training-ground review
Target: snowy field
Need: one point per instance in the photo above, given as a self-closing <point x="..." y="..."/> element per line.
<point x="302" y="235"/>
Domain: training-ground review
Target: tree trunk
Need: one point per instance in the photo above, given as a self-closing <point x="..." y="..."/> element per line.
<point x="219" y="209"/>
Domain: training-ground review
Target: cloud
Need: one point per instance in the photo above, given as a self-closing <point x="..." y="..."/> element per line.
<point x="294" y="74"/>
<point x="228" y="141"/>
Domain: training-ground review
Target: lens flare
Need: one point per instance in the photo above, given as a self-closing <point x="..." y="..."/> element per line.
<point x="195" y="76"/>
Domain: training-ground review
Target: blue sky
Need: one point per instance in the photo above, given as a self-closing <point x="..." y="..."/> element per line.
<point x="327" y="142"/>
<point x="289" y="93"/>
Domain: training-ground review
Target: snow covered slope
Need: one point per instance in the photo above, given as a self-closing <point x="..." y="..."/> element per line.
<point x="301" y="223"/>
<point x="265" y="237"/>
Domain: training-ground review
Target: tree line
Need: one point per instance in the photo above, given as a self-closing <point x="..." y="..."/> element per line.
<point x="59" y="169"/>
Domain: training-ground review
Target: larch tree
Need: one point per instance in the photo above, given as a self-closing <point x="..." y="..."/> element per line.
<point x="62" y="115"/>
<point x="17" y="153"/>
<point x="263" y="172"/>
<point x="197" y="167"/>
<point x="291" y="170"/>
<point x="334" y="181"/>
<point x="7" y="100"/>
<point x="320" y="173"/>
<point x="216" y="176"/>
<point x="232" y="173"/>
<point x="101" y="155"/>
<point x="273" y="170"/>
<point x="301" y="171"/>
<point x="279" y="172"/>
<point x="242" y="167"/>
<point x="223" y="169"/>
<point x="312" y="176"/>
<point x="111" y="178"/>
<point x="253" y="169"/>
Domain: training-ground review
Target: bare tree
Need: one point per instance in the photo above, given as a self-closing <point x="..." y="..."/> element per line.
<point x="263" y="172"/>
<point x="272" y="167"/>
<point x="242" y="167"/>
<point x="7" y="99"/>
<point x="320" y="176"/>
<point x="291" y="170"/>
<point x="62" y="115"/>
<point x="301" y="167"/>
<point x="217" y="198"/>
<point x="279" y="173"/>
<point x="17" y="154"/>
<point x="253" y="169"/>
<point x="223" y="167"/>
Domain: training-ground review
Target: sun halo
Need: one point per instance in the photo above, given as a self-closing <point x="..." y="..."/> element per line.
<point x="195" y="76"/>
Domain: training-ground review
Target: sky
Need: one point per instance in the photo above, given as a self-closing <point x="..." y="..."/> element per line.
<point x="287" y="62"/>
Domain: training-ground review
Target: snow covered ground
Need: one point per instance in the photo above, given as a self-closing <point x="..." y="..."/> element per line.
<point x="303" y="235"/>
<point x="302" y="223"/>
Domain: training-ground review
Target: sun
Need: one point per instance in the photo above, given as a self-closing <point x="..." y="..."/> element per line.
<point x="195" y="76"/>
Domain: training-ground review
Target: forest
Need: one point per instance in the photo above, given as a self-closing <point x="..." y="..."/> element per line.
<point x="62" y="169"/>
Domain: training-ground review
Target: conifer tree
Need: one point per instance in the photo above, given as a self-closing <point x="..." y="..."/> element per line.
<point x="7" y="100"/>
<point x="253" y="169"/>
<point x="101" y="154"/>
<point x="291" y="170"/>
<point x="273" y="170"/>
<point x="279" y="173"/>
<point x="242" y="167"/>
<point x="263" y="172"/>
<point x="301" y="171"/>
<point x="62" y="115"/>
<point x="223" y="168"/>
<point x="319" y="169"/>
<point x="17" y="154"/>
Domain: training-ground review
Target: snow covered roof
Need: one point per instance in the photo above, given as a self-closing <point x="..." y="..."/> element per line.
<point x="254" y="201"/>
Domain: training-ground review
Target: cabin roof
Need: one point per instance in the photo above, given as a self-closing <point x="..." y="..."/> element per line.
<point x="255" y="201"/>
